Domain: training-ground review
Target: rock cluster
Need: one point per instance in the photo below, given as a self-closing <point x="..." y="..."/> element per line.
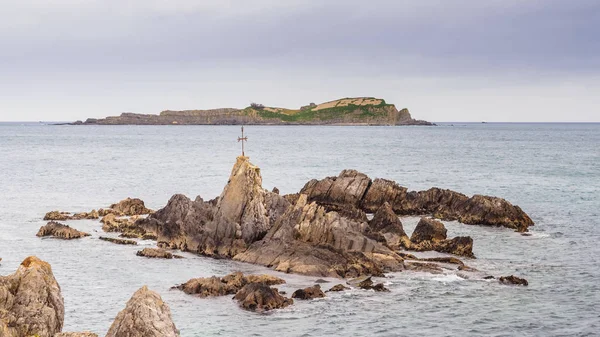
<point x="309" y="293"/>
<point x="261" y="297"/>
<point x="60" y="231"/>
<point x="513" y="280"/>
<point x="354" y="190"/>
<point x="63" y="216"/>
<point x="368" y="284"/>
<point x="157" y="253"/>
<point x="431" y="235"/>
<point x="118" y="241"/>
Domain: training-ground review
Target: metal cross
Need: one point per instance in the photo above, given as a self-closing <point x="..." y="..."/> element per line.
<point x="242" y="139"/>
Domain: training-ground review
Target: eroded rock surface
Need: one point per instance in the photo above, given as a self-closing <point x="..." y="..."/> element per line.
<point x="227" y="285"/>
<point x="60" y="231"/>
<point x="431" y="235"/>
<point x="31" y="303"/>
<point x="118" y="241"/>
<point x="261" y="297"/>
<point x="386" y="227"/>
<point x="131" y="206"/>
<point x="144" y="315"/>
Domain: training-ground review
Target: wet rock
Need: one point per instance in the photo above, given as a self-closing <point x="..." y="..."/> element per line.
<point x="76" y="334"/>
<point x="118" y="241"/>
<point x="309" y="293"/>
<point x="261" y="297"/>
<point x="388" y="226"/>
<point x="513" y="280"/>
<point x="227" y="285"/>
<point x="92" y="215"/>
<point x="60" y="231"/>
<point x="338" y="287"/>
<point x="57" y="216"/>
<point x="426" y="267"/>
<point x="320" y="280"/>
<point x="144" y="315"/>
<point x="428" y="230"/>
<point x="31" y="303"/>
<point x="489" y="277"/>
<point x="444" y="259"/>
<point x="460" y="245"/>
<point x="131" y="206"/>
<point x="368" y="284"/>
<point x="112" y="223"/>
<point x="157" y="253"/>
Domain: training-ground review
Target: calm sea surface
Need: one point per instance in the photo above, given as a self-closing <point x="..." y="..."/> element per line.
<point x="551" y="170"/>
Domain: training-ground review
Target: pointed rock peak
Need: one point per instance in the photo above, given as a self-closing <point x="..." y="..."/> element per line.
<point x="144" y="315"/>
<point x="386" y="220"/>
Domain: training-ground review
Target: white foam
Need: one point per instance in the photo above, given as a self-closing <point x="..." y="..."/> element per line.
<point x="448" y="278"/>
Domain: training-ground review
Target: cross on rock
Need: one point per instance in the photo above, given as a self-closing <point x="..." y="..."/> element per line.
<point x="242" y="139"/>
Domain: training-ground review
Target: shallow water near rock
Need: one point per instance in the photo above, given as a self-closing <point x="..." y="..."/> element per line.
<point x="552" y="171"/>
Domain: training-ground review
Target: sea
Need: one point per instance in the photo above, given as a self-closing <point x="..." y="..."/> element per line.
<point x="552" y="171"/>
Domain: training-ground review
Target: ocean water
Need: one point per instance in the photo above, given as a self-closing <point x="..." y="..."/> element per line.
<point x="551" y="170"/>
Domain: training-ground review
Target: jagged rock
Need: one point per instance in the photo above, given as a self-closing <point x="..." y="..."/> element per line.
<point x="444" y="259"/>
<point x="275" y="190"/>
<point x="513" y="280"/>
<point x="261" y="297"/>
<point x="460" y="245"/>
<point x="60" y="231"/>
<point x="309" y="240"/>
<point x="106" y="211"/>
<point x="157" y="253"/>
<point x="388" y="227"/>
<point x="338" y="287"/>
<point x="428" y="230"/>
<point x="118" y="241"/>
<point x="57" y="216"/>
<point x="131" y="206"/>
<point x="92" y="215"/>
<point x="367" y="284"/>
<point x="76" y="334"/>
<point x="335" y="193"/>
<point x="427" y="267"/>
<point x="144" y="315"/>
<point x="352" y="189"/>
<point x="309" y="293"/>
<point x="227" y="285"/>
<point x="31" y="303"/>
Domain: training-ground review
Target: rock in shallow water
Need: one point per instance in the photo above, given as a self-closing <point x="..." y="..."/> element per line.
<point x="261" y="297"/>
<point x="338" y="287"/>
<point x="157" y="253"/>
<point x="31" y="303"/>
<point x="513" y="280"/>
<point x="309" y="293"/>
<point x="130" y="207"/>
<point x="118" y="241"/>
<point x="144" y="315"/>
<point x="60" y="231"/>
<point x="227" y="285"/>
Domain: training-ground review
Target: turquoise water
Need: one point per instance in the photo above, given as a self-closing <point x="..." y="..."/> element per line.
<point x="551" y="170"/>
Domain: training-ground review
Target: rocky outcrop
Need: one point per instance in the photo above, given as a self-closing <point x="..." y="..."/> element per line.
<point x="60" y="231"/>
<point x="309" y="293"/>
<point x="57" y="216"/>
<point x="144" y="315"/>
<point x="352" y="189"/>
<point x="428" y="230"/>
<point x="118" y="241"/>
<point x="157" y="253"/>
<point x="31" y="303"/>
<point x="513" y="280"/>
<point x="386" y="227"/>
<point x="368" y="284"/>
<point x="338" y="288"/>
<point x="307" y="239"/>
<point x="261" y="297"/>
<point x="130" y="207"/>
<point x="431" y="235"/>
<point x="227" y="285"/>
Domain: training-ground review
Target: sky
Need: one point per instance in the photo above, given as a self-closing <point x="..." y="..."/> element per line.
<point x="444" y="60"/>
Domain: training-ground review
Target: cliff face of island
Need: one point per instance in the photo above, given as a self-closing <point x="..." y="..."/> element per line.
<point x="346" y="111"/>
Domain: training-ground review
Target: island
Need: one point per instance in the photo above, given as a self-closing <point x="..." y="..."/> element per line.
<point x="345" y="111"/>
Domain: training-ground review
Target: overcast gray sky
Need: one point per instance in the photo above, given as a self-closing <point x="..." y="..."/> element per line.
<point x="444" y="60"/>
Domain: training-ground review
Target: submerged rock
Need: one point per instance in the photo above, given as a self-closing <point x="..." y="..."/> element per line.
<point x="31" y="303"/>
<point x="227" y="285"/>
<point x="513" y="280"/>
<point x="338" y="287"/>
<point x="144" y="315"/>
<point x="157" y="253"/>
<point x="309" y="293"/>
<point x="261" y="297"/>
<point x="367" y="284"/>
<point x="118" y="241"/>
<point x="60" y="231"/>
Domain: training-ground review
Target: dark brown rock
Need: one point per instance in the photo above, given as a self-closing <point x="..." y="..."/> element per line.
<point x="460" y="245"/>
<point x="227" y="285"/>
<point x="386" y="224"/>
<point x="60" y="231"/>
<point x="144" y="315"/>
<point x="261" y="297"/>
<point x="513" y="280"/>
<point x="31" y="303"/>
<point x="428" y="230"/>
<point x="335" y="193"/>
<point x="118" y="241"/>
<point x="157" y="253"/>
<point x="426" y="267"/>
<point x="367" y="284"/>
<point x="309" y="293"/>
<point x="338" y="287"/>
